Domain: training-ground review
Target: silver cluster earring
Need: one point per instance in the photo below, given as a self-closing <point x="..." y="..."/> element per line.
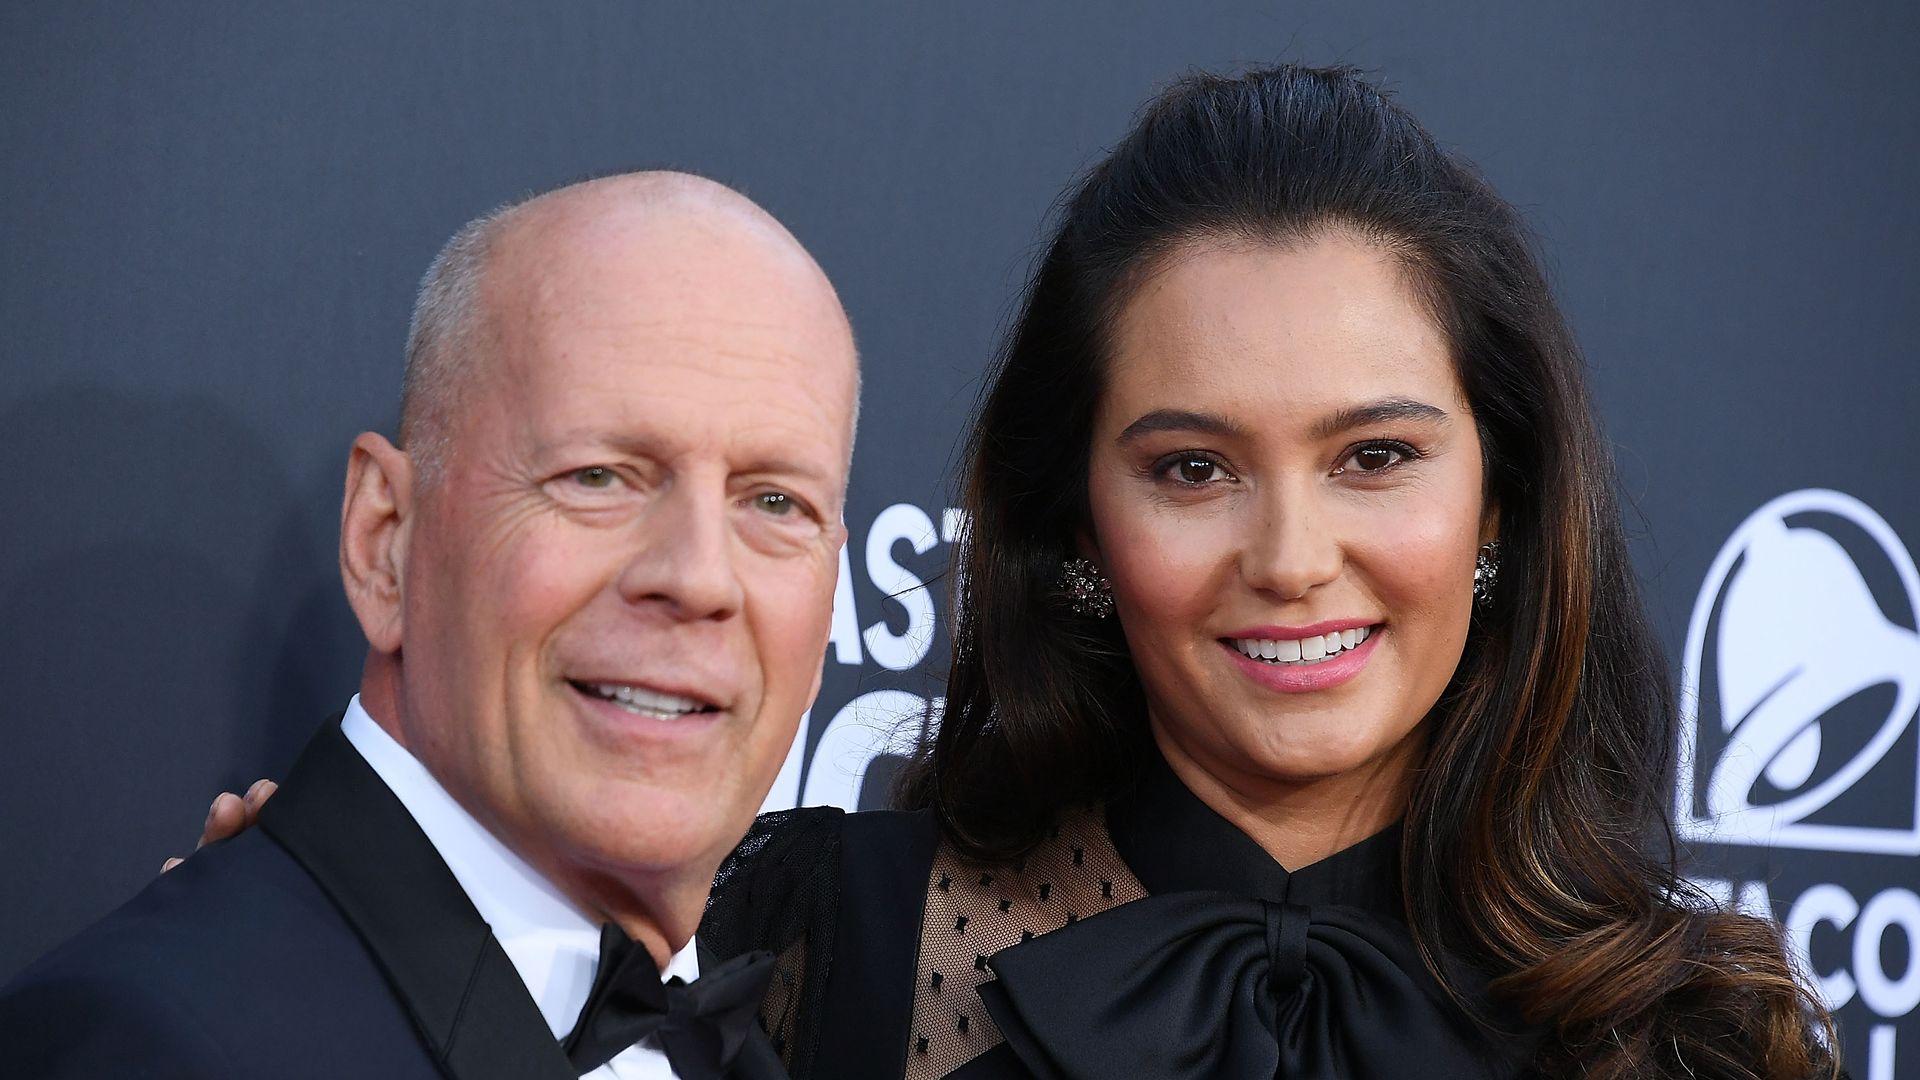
<point x="1085" y="589"/>
<point x="1486" y="570"/>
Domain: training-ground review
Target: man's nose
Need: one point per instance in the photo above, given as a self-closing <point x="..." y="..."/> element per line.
<point x="1293" y="546"/>
<point x="685" y="555"/>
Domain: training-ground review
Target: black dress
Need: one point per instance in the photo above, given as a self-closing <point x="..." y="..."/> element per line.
<point x="1151" y="940"/>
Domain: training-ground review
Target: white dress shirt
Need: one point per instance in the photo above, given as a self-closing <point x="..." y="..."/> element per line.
<point x="553" y="945"/>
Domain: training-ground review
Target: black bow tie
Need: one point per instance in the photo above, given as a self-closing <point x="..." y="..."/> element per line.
<point x="701" y="1025"/>
<point x="1208" y="985"/>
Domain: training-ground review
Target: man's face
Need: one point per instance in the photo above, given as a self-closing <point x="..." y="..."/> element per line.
<point x="617" y="597"/>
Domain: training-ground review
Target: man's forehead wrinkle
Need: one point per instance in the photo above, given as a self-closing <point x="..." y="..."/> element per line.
<point x="640" y="381"/>
<point x="815" y="358"/>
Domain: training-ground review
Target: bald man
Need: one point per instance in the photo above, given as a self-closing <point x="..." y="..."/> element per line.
<point x="596" y="577"/>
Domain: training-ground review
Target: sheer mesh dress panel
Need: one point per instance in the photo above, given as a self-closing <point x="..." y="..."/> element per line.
<point x="973" y="912"/>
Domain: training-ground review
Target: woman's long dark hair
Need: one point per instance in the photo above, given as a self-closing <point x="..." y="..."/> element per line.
<point x="1536" y="841"/>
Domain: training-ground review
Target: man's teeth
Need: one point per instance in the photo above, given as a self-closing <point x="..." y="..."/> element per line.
<point x="1302" y="650"/>
<point x="640" y="699"/>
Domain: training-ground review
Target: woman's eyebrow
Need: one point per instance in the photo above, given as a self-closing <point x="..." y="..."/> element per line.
<point x="1378" y="412"/>
<point x="1353" y="416"/>
<point x="1181" y="420"/>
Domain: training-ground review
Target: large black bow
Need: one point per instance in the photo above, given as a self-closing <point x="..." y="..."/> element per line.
<point x="701" y="1025"/>
<point x="1195" y="984"/>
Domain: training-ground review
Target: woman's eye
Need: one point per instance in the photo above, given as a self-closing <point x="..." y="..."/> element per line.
<point x="1196" y="470"/>
<point x="598" y="477"/>
<point x="1377" y="456"/>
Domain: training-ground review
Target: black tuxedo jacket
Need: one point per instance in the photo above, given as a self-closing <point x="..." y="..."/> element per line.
<point x="330" y="941"/>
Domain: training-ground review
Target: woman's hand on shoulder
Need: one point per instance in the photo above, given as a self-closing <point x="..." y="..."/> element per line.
<point x="229" y="816"/>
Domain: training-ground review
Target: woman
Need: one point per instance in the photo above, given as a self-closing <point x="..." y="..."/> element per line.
<point x="1293" y="546"/>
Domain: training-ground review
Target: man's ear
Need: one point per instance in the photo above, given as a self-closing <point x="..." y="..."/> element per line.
<point x="376" y="519"/>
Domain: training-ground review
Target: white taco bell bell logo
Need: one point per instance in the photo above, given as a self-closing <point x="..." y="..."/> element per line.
<point x="1797" y="632"/>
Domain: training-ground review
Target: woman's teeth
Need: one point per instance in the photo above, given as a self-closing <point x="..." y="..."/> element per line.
<point x="640" y="700"/>
<point x="1304" y="650"/>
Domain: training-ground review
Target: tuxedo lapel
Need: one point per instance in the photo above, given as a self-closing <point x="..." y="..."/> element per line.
<point x="338" y="820"/>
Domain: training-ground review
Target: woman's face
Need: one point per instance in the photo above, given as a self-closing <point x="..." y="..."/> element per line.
<point x="1285" y="491"/>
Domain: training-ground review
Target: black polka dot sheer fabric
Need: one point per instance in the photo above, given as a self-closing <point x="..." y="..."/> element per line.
<point x="973" y="912"/>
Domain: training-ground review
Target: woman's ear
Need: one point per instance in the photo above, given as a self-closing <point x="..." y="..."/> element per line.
<point x="376" y="518"/>
<point x="1087" y="546"/>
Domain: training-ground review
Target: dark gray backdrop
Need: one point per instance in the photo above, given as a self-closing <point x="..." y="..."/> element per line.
<point x="212" y="217"/>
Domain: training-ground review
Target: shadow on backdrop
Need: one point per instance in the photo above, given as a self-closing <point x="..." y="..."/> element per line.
<point x="173" y="625"/>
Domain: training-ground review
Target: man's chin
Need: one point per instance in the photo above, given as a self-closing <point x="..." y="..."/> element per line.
<point x="652" y="830"/>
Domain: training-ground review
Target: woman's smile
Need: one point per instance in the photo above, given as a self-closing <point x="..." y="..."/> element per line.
<point x="1309" y="645"/>
<point x="1319" y="663"/>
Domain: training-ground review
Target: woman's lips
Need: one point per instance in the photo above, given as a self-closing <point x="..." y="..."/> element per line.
<point x="1305" y="673"/>
<point x="1320" y="642"/>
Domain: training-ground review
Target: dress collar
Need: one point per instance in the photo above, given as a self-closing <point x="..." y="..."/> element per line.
<point x="1173" y="842"/>
<point x="554" y="946"/>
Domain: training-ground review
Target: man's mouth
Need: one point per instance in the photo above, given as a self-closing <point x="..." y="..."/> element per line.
<point x="642" y="701"/>
<point x="1315" y="649"/>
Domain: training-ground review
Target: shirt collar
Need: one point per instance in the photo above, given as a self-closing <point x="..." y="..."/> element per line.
<point x="1174" y="842"/>
<point x="553" y="944"/>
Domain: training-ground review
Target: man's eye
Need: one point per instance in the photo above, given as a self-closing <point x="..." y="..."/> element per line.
<point x="594" y="476"/>
<point x="776" y="503"/>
